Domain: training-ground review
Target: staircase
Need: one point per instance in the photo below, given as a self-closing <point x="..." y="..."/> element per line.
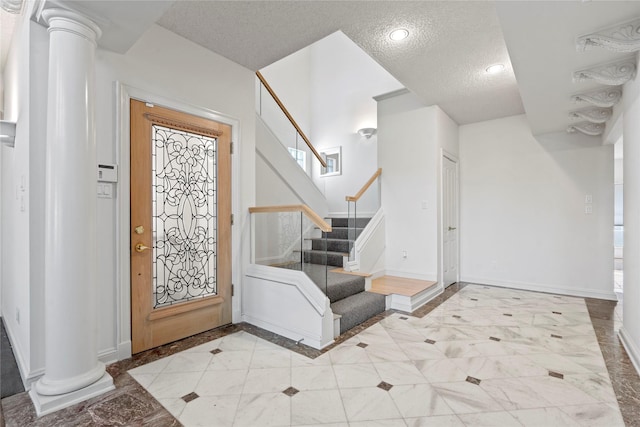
<point x="346" y="292"/>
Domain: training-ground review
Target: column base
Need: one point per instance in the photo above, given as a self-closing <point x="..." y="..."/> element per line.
<point x="47" y="404"/>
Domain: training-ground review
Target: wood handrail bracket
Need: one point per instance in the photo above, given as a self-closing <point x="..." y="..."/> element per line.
<point x="364" y="187"/>
<point x="314" y="217"/>
<point x="293" y="122"/>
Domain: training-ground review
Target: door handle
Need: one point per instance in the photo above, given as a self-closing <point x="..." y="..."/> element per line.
<point x="141" y="248"/>
<point x="452" y="228"/>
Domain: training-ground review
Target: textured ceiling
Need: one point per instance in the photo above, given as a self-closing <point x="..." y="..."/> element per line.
<point x="541" y="37"/>
<point x="443" y="61"/>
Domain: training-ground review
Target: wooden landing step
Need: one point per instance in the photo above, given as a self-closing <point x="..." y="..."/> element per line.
<point x="404" y="294"/>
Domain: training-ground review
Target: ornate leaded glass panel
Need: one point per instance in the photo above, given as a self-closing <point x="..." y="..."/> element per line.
<point x="184" y="199"/>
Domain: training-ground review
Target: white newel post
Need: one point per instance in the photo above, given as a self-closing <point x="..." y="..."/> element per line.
<point x="73" y="372"/>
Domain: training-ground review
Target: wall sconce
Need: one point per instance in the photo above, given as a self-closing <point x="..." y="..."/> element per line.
<point x="7" y="132"/>
<point x="367" y="132"/>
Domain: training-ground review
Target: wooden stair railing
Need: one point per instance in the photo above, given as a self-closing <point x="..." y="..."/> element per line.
<point x="309" y="213"/>
<point x="290" y="118"/>
<point x="365" y="187"/>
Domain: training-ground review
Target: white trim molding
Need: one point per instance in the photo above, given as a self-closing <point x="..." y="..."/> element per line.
<point x="548" y="288"/>
<point x="618" y="38"/>
<point x="604" y="97"/>
<point x="124" y="94"/>
<point x="612" y="74"/>
<point x="409" y="304"/>
<point x="587" y="128"/>
<point x="287" y="303"/>
<point x="592" y="114"/>
<point x="632" y="350"/>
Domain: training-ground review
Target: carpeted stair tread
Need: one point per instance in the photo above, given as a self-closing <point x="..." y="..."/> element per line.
<point x="343" y="233"/>
<point x="345" y="222"/>
<point x="338" y="286"/>
<point x="321" y="252"/>
<point x="358" y="308"/>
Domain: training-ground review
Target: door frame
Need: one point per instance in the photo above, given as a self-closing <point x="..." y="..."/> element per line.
<point x="444" y="154"/>
<point x="124" y="93"/>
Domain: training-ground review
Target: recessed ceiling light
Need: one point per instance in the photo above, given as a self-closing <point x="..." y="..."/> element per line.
<point x="495" y="69"/>
<point x="399" y="34"/>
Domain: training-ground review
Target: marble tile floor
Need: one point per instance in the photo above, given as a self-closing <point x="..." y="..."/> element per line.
<point x="459" y="360"/>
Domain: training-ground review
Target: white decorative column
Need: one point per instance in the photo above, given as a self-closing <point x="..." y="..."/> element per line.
<point x="73" y="372"/>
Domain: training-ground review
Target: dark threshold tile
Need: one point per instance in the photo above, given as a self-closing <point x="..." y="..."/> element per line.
<point x="556" y="375"/>
<point x="556" y="312"/>
<point x="428" y="341"/>
<point x="216" y="351"/>
<point x="455" y="316"/>
<point x="494" y="339"/>
<point x="508" y="314"/>
<point x="404" y="318"/>
<point x="362" y="345"/>
<point x="556" y="336"/>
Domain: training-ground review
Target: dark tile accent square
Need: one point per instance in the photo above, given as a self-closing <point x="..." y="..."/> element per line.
<point x="473" y="380"/>
<point x="556" y="375"/>
<point x="556" y="336"/>
<point x="494" y="339"/>
<point x="404" y="318"/>
<point x="362" y="345"/>
<point x="291" y="391"/>
<point x="456" y="316"/>
<point x="216" y="351"/>
<point x="508" y="314"/>
<point x="516" y="297"/>
<point x="385" y="386"/>
<point x="474" y="299"/>
<point x="428" y="341"/>
<point x="556" y="312"/>
<point x="189" y="397"/>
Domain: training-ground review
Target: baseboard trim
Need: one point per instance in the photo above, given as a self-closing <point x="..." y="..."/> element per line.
<point x="411" y="304"/>
<point x="536" y="287"/>
<point x="28" y="377"/>
<point x="632" y="350"/>
<point x="124" y="350"/>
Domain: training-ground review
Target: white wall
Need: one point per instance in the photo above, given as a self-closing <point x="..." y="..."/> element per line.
<point x="522" y="216"/>
<point x="344" y="81"/>
<point x="23" y="187"/>
<point x="630" y="331"/>
<point x="166" y="65"/>
<point x="328" y="88"/>
<point x="161" y="64"/>
<point x="410" y="139"/>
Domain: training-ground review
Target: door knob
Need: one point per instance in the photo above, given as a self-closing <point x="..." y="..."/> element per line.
<point x="141" y="248"/>
<point x="452" y="228"/>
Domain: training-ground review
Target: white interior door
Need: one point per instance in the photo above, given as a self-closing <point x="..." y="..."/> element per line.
<point x="450" y="221"/>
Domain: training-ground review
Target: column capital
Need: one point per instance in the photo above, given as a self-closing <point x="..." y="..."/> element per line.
<point x="66" y="20"/>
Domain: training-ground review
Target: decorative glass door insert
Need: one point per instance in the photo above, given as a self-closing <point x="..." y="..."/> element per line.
<point x="184" y="213"/>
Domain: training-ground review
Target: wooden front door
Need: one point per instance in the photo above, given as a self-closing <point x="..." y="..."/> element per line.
<point x="180" y="225"/>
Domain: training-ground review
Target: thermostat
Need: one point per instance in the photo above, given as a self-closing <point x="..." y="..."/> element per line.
<point x="107" y="173"/>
